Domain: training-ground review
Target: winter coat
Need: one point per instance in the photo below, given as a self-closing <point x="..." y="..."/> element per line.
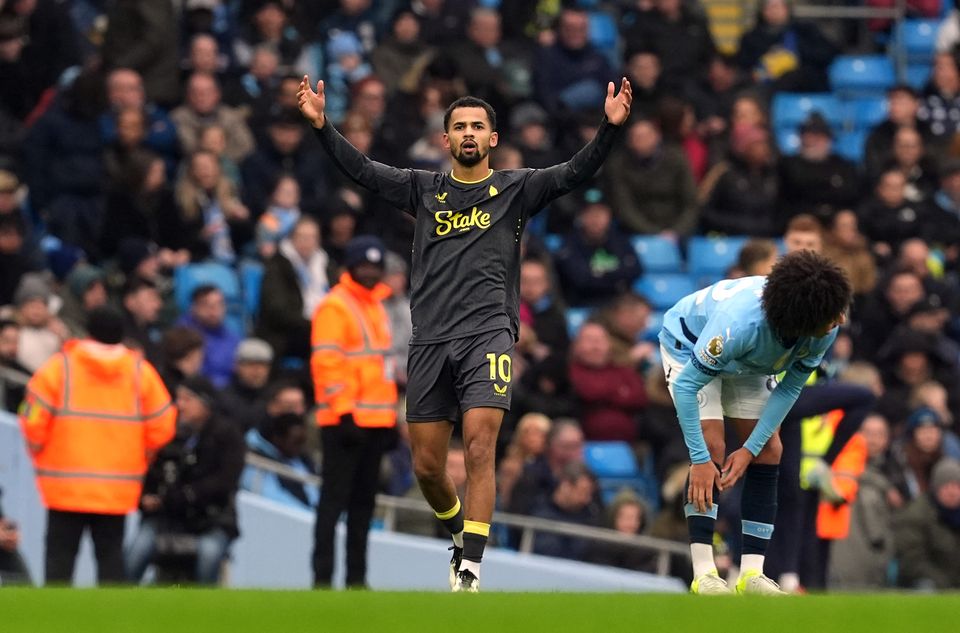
<point x="928" y="550"/>
<point x="860" y="561"/>
<point x="612" y="399"/>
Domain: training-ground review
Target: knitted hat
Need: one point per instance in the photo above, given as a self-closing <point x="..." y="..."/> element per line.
<point x="364" y="248"/>
<point x="202" y="389"/>
<point x="924" y="416"/>
<point x="82" y="277"/>
<point x="947" y="470"/>
<point x="132" y="251"/>
<point x="32" y="286"/>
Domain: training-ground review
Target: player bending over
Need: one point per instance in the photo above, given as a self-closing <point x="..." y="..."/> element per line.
<point x="464" y="299"/>
<point x="722" y="348"/>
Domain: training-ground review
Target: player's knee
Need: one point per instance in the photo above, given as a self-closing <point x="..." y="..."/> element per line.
<point x="771" y="452"/>
<point x="480" y="453"/>
<point x="427" y="467"/>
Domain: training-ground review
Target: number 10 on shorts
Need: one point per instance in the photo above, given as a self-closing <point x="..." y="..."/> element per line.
<point x="499" y="366"/>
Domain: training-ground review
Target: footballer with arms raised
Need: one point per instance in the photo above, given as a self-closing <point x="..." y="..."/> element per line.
<point x="464" y="293"/>
<point x="722" y="348"/>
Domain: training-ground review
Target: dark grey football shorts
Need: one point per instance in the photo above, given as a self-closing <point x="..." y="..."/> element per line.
<point x="447" y="378"/>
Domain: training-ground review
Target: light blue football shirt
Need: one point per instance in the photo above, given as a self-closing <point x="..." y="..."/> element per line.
<point x="722" y="331"/>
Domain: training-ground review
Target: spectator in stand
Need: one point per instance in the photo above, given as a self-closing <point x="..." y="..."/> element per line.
<point x="540" y="477"/>
<point x="401" y="56"/>
<point x="612" y="397"/>
<point x="255" y="90"/>
<point x="628" y="514"/>
<point x="243" y="399"/>
<point x="283" y="442"/>
<point x="943" y="226"/>
<point x="63" y="162"/>
<point x="570" y="502"/>
<point x="643" y="69"/>
<point x="128" y="142"/>
<point x="397" y="305"/>
<point x="885" y="309"/>
<point x="650" y="185"/>
<point x="940" y="106"/>
<point x="182" y="351"/>
<point x="281" y="215"/>
<point x="346" y="68"/>
<point x="442" y="21"/>
<point x="903" y="106"/>
<point x="910" y="359"/>
<point x="625" y="319"/>
<point x="571" y="75"/>
<point x="757" y="257"/>
<point x="285" y="151"/>
<point x="83" y="292"/>
<point x="539" y="308"/>
<point x="928" y="533"/>
<point x="925" y="439"/>
<point x="142" y="35"/>
<point x="789" y="55"/>
<point x="715" y="95"/>
<point x="14" y="263"/>
<point x="213" y="139"/>
<point x="803" y="232"/>
<point x="13" y="375"/>
<point x="740" y="195"/>
<point x="543" y="388"/>
<point x="13" y="202"/>
<point x="13" y="570"/>
<point x="204" y="56"/>
<point x="861" y="561"/>
<point x="213" y="220"/>
<point x="911" y="158"/>
<point x="270" y="25"/>
<point x="191" y="486"/>
<point x="816" y="180"/>
<point x="41" y="333"/>
<point x="203" y="107"/>
<point x="887" y="217"/>
<point x="295" y="280"/>
<point x="208" y="310"/>
<point x="531" y="128"/>
<point x="596" y="262"/>
<point x="125" y="92"/>
<point x="678" y="125"/>
<point x="354" y="16"/>
<point x="141" y="311"/>
<point x="69" y="422"/>
<point x="680" y="36"/>
<point x="847" y="246"/>
<point x="915" y="255"/>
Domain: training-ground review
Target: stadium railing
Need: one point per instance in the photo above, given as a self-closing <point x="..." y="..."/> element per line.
<point x="528" y="526"/>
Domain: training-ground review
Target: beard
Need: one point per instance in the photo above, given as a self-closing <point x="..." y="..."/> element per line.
<point x="471" y="159"/>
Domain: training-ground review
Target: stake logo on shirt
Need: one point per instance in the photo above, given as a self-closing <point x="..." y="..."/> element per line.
<point x="447" y="221"/>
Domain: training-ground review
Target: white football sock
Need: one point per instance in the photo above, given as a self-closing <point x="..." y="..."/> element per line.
<point x="702" y="556"/>
<point x="458" y="539"/>
<point x="751" y="562"/>
<point x="473" y="567"/>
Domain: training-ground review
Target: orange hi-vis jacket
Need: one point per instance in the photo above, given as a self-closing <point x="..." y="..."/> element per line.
<point x="352" y="371"/>
<point x="833" y="520"/>
<point x="93" y="417"/>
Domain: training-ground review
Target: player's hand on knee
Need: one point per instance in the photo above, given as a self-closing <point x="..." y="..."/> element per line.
<point x="734" y="467"/>
<point x="703" y="478"/>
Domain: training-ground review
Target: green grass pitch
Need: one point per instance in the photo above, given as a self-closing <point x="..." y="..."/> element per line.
<point x="229" y="611"/>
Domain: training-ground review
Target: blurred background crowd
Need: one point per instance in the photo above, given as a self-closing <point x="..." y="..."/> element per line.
<point x="152" y="158"/>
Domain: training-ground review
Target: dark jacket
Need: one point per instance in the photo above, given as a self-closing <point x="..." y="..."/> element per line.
<point x="813" y="50"/>
<point x="560" y="545"/>
<point x="557" y="69"/>
<point x="879" y="147"/>
<point x="550" y="325"/>
<point x="263" y="167"/>
<point x="197" y="476"/>
<point x="143" y="36"/>
<point x="242" y="406"/>
<point x="742" y="202"/>
<point x="684" y="46"/>
<point x="593" y="274"/>
<point x="927" y="548"/>
<point x="880" y="223"/>
<point x="611" y="398"/>
<point x="821" y="188"/>
<point x="281" y="321"/>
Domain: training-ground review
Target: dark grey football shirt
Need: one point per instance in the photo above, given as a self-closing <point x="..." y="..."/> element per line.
<point x="465" y="277"/>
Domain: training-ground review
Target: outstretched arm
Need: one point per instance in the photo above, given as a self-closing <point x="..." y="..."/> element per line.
<point x="396" y="186"/>
<point x="548" y="184"/>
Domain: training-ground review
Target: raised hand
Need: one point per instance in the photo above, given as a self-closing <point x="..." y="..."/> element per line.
<point x="312" y="103"/>
<point x="617" y="108"/>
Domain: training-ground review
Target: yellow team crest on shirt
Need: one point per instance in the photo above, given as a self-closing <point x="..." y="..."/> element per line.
<point x="492" y="191"/>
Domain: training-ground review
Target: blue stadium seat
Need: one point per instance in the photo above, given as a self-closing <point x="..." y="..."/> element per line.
<point x="918" y="75"/>
<point x="918" y="39"/>
<point x="251" y="277"/>
<point x="866" y="112"/>
<point x="790" y="110"/>
<point x="654" y="323"/>
<point x="575" y="318"/>
<point x="187" y="278"/>
<point x="711" y="257"/>
<point x="788" y="140"/>
<point x="553" y="242"/>
<point x="861" y="75"/>
<point x="605" y="36"/>
<point x="664" y="289"/>
<point x="657" y="254"/>
<point x="611" y="459"/>
<point x="850" y="145"/>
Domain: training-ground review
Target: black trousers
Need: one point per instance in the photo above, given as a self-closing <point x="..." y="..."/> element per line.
<point x="796" y="512"/>
<point x="351" y="471"/>
<point x="64" y="530"/>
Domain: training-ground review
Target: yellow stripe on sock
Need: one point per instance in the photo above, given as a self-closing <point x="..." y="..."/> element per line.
<point x="449" y="514"/>
<point x="475" y="527"/>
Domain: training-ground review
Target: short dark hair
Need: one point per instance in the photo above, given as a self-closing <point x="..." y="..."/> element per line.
<point x="280" y="385"/>
<point x="179" y="341"/>
<point x="5" y="323"/>
<point x="280" y="425"/>
<point x="470" y="102"/>
<point x="804" y="292"/>
<point x="202" y="291"/>
<point x="136" y="284"/>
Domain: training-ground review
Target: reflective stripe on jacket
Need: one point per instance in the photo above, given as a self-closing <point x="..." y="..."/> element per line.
<point x="351" y="356"/>
<point x="93" y="417"/>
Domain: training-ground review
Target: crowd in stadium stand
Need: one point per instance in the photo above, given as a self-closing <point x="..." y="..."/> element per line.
<point x="152" y="157"/>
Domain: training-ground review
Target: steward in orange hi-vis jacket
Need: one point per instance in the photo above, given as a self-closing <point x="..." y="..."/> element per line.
<point x="356" y="404"/>
<point x="94" y="416"/>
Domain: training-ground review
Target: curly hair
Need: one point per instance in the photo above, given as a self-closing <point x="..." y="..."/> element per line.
<point x="804" y="293"/>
